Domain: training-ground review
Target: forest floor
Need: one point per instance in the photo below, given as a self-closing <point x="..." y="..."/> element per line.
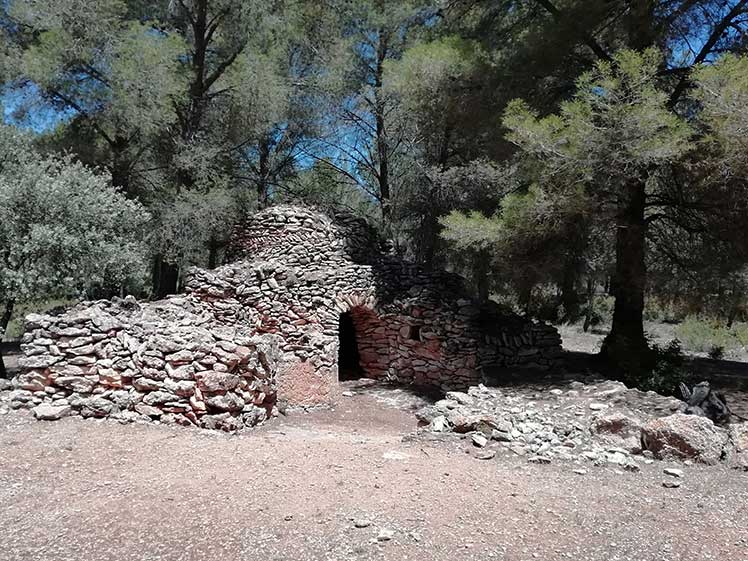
<point x="727" y="376"/>
<point x="575" y="339"/>
<point x="351" y="483"/>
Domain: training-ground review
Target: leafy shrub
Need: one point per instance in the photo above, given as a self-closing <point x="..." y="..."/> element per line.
<point x="740" y="330"/>
<point x="667" y="370"/>
<point x="655" y="368"/>
<point x="600" y="311"/>
<point x="717" y="352"/>
<point x="657" y="311"/>
<point x="64" y="230"/>
<point x="702" y="335"/>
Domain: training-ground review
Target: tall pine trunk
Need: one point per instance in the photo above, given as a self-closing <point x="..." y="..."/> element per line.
<point x="382" y="144"/>
<point x="626" y="338"/>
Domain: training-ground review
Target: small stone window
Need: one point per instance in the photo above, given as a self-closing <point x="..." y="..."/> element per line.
<point x="414" y="332"/>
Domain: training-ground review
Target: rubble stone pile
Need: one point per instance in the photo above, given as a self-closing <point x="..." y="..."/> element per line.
<point x="600" y="422"/>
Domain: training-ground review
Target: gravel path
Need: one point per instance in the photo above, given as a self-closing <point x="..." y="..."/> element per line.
<point x="334" y="485"/>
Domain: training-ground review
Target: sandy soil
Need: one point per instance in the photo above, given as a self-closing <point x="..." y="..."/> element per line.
<point x="298" y="488"/>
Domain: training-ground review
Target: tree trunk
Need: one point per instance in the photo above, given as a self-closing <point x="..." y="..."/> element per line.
<point x="165" y="278"/>
<point x="120" y="166"/>
<point x="590" y="298"/>
<point x="736" y="297"/>
<point x="569" y="294"/>
<point x="4" y="321"/>
<point x="214" y="246"/>
<point x="264" y="174"/>
<point x="481" y="270"/>
<point x="626" y="336"/>
<point x="431" y="240"/>
<point x="381" y="130"/>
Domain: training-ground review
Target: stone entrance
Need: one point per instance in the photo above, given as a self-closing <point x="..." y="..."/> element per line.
<point x="349" y="359"/>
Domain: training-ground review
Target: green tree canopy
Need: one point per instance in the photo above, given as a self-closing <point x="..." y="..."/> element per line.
<point x="64" y="230"/>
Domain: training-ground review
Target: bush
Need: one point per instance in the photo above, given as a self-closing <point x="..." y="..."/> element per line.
<point x="659" y="369"/>
<point x="740" y="330"/>
<point x="600" y="311"/>
<point x="667" y="370"/>
<point x="702" y="335"/>
<point x="657" y="311"/>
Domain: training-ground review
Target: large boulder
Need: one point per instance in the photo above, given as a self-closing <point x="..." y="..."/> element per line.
<point x="618" y="429"/>
<point x="686" y="437"/>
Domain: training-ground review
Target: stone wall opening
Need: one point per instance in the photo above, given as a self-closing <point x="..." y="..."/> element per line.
<point x="349" y="359"/>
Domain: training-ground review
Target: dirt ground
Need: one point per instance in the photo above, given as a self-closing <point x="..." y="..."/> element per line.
<point x="326" y="485"/>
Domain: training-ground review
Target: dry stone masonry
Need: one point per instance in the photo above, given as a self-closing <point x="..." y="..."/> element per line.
<point x="166" y="360"/>
<point x="265" y="331"/>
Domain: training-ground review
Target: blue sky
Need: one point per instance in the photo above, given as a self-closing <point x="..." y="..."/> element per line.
<point x="24" y="107"/>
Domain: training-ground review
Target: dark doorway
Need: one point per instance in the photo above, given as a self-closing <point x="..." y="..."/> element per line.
<point x="349" y="366"/>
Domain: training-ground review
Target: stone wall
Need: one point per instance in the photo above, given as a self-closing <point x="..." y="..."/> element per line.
<point x="168" y="361"/>
<point x="264" y="328"/>
<point x="413" y="326"/>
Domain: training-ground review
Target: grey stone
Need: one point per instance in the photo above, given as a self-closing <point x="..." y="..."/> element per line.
<point x="36" y="321"/>
<point x="33" y="380"/>
<point x="159" y="398"/>
<point x="77" y="384"/>
<point x="106" y="323"/>
<point x="226" y="402"/>
<point x="38" y="361"/>
<point x="736" y="450"/>
<point x="148" y="410"/>
<point x="438" y="424"/>
<point x="97" y="407"/>
<point x="486" y="455"/>
<point x="618" y="429"/>
<point x="222" y="421"/>
<point x="184" y="372"/>
<point x="385" y="535"/>
<point x="182" y="388"/>
<point x="181" y="357"/>
<point x="218" y="381"/>
<point x="146" y="384"/>
<point x="479" y="440"/>
<point x="460" y="397"/>
<point x="48" y="412"/>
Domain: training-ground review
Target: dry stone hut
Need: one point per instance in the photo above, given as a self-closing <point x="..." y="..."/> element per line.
<point x="308" y="299"/>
